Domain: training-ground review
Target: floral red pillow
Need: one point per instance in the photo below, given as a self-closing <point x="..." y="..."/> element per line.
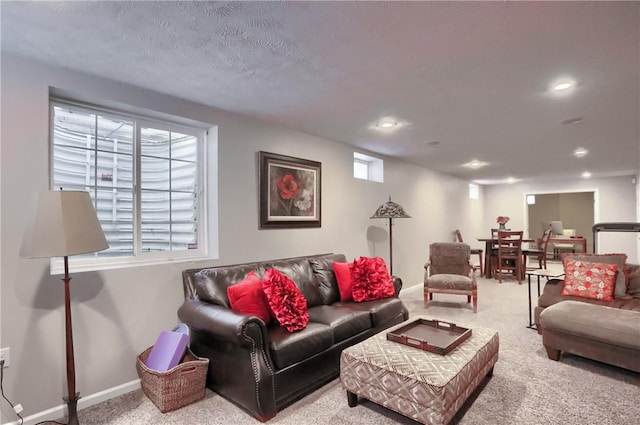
<point x="371" y="279"/>
<point x="287" y="303"/>
<point x="589" y="280"/>
<point x="343" y="277"/>
<point x="248" y="297"/>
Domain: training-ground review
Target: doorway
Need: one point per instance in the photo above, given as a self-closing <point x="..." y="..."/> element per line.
<point x="576" y="210"/>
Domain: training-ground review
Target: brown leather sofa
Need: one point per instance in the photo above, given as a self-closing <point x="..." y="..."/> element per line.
<point x="260" y="368"/>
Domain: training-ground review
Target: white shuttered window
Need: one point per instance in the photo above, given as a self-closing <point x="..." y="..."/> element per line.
<point x="144" y="178"/>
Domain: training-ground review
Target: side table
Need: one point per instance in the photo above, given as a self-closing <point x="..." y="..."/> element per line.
<point x="549" y="274"/>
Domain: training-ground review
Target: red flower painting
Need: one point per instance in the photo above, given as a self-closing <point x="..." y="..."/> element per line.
<point x="288" y="186"/>
<point x="292" y="192"/>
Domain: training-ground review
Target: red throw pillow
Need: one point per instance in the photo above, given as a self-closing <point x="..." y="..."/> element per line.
<point x="371" y="279"/>
<point x="589" y="280"/>
<point x="287" y="303"/>
<point x="343" y="277"/>
<point x="248" y="297"/>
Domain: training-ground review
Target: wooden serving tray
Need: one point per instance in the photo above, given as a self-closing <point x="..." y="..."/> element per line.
<point x="436" y="336"/>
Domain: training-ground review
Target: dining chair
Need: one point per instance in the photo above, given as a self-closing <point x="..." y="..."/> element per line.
<point x="474" y="251"/>
<point x="510" y="254"/>
<point x="493" y="253"/>
<point x="540" y="252"/>
<point x="449" y="271"/>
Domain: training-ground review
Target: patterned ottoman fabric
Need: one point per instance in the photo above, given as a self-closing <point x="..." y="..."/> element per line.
<point x="426" y="387"/>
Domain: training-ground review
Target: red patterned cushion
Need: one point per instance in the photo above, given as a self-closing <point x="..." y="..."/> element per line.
<point x="371" y="279"/>
<point x="287" y="303"/>
<point x="589" y="280"/>
<point x="343" y="277"/>
<point x="248" y="297"/>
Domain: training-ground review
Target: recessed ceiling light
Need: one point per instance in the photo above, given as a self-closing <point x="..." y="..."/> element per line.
<point x="580" y="152"/>
<point x="563" y="85"/>
<point x="511" y="180"/>
<point x="586" y="175"/>
<point x="387" y="123"/>
<point x="576" y="120"/>
<point x="475" y="164"/>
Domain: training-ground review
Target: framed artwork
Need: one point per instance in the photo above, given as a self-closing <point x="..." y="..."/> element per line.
<point x="289" y="191"/>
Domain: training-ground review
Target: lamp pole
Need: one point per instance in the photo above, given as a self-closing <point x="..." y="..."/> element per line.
<point x="391" y="246"/>
<point x="72" y="398"/>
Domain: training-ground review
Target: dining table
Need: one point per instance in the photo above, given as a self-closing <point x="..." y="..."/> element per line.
<point x="489" y="243"/>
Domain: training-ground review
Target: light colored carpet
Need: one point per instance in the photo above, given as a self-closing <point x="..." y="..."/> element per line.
<point x="526" y="388"/>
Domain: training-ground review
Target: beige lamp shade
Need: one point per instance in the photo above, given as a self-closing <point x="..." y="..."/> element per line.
<point x="62" y="223"/>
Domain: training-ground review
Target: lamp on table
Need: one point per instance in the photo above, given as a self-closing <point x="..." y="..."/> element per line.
<point x="63" y="223"/>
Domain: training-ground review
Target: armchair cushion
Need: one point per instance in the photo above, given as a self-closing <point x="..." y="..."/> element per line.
<point x="287" y="303"/>
<point x="449" y="258"/>
<point x="450" y="281"/>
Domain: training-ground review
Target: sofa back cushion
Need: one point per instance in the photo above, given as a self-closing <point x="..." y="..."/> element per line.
<point x="633" y="272"/>
<point x="323" y="270"/>
<point x="300" y="272"/>
<point x="211" y="284"/>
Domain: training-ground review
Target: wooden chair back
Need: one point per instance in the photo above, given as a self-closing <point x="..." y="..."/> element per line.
<point x="510" y="253"/>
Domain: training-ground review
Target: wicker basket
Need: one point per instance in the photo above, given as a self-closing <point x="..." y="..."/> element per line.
<point x="176" y="387"/>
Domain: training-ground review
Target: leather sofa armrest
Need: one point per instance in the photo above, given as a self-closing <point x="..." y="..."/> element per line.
<point x="397" y="284"/>
<point x="222" y="323"/>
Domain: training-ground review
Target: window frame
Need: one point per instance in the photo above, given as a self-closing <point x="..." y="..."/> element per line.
<point x="375" y="167"/>
<point x="139" y="256"/>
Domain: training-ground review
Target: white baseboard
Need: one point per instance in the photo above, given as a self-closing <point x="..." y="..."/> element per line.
<point x="84" y="402"/>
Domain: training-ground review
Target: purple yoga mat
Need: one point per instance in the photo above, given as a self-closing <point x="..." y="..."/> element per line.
<point x="167" y="351"/>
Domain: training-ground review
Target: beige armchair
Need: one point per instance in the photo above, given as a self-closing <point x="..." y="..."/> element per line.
<point x="449" y="271"/>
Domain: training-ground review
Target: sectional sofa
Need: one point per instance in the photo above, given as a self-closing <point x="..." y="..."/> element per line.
<point x="606" y="331"/>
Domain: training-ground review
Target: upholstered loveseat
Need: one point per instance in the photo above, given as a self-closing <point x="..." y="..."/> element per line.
<point x="606" y="331"/>
<point x="262" y="367"/>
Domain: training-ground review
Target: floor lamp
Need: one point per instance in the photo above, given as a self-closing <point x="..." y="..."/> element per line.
<point x="390" y="210"/>
<point x="60" y="224"/>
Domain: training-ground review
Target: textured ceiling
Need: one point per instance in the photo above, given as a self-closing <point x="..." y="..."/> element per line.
<point x="466" y="80"/>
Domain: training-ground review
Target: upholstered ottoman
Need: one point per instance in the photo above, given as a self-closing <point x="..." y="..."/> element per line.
<point x="426" y="387"/>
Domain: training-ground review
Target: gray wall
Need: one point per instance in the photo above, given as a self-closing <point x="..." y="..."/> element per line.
<point x="615" y="201"/>
<point x="119" y="313"/>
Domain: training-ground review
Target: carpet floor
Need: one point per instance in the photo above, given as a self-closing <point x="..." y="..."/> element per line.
<point x="526" y="388"/>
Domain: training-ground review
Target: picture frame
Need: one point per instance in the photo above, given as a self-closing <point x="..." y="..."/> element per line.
<point x="290" y="192"/>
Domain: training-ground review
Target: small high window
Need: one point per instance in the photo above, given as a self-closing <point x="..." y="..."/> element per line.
<point x="367" y="167"/>
<point x="474" y="191"/>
